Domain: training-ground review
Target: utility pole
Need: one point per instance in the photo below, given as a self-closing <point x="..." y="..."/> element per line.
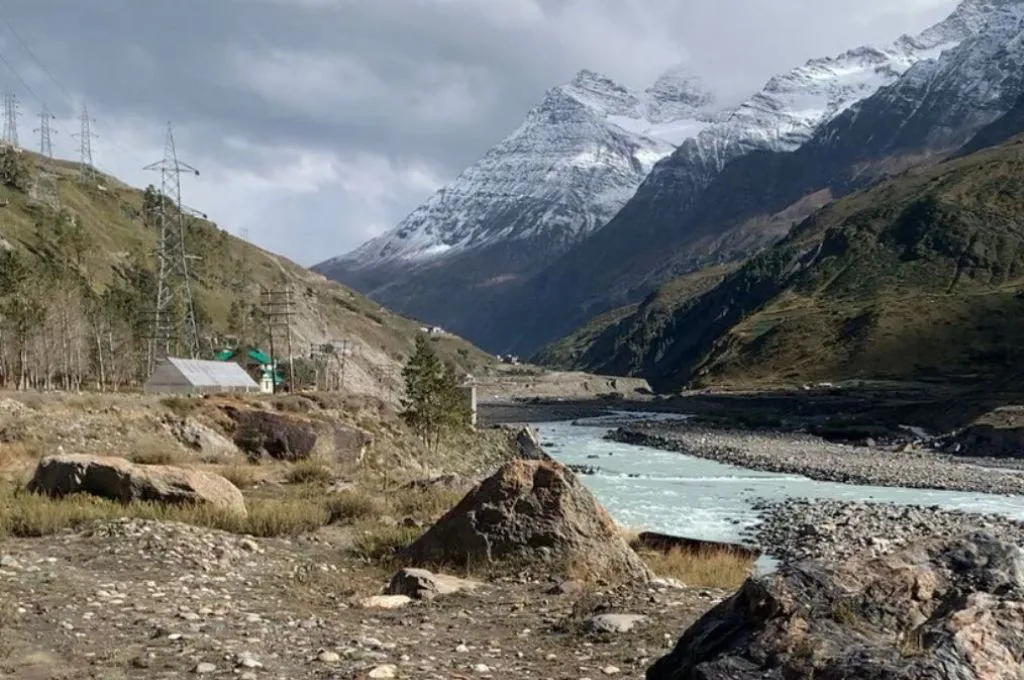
<point x="11" y="114"/>
<point x="277" y="312"/>
<point x="173" y="277"/>
<point x="85" y="137"/>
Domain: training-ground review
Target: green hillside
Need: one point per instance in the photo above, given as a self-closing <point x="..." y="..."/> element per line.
<point x="918" y="277"/>
<point x="612" y="342"/>
<point x="77" y="288"/>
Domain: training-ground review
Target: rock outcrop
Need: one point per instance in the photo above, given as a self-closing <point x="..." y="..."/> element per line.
<point x="120" y="480"/>
<point x="950" y="609"/>
<point x="528" y="444"/>
<point x="531" y="512"/>
<point x="279" y="436"/>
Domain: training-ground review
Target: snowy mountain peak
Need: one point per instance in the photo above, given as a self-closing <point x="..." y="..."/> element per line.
<point x="968" y="19"/>
<point x="677" y="93"/>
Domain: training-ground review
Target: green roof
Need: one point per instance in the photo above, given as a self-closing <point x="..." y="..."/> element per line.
<point x="254" y="354"/>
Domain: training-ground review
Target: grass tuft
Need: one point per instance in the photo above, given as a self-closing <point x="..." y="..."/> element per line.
<point x="310" y="471"/>
<point x="378" y="542"/>
<point x="349" y="507"/>
<point x="705" y="568"/>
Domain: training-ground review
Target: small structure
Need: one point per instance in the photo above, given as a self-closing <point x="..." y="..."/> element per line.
<point x="468" y="392"/>
<point x="257" y="363"/>
<point x="197" y="376"/>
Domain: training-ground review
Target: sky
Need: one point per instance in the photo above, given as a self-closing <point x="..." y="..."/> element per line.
<point x="318" y="124"/>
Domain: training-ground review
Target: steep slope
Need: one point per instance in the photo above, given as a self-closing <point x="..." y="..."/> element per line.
<point x="694" y="211"/>
<point x="920" y="276"/>
<point x="576" y="159"/>
<point x="93" y="262"/>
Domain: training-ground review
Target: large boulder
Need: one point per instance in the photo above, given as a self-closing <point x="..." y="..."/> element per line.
<point x="531" y="512"/>
<point x="277" y="435"/>
<point x="120" y="480"/>
<point x="199" y="437"/>
<point x="950" y="609"/>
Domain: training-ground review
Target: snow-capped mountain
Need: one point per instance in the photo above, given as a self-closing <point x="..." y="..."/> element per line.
<point x="576" y="159"/>
<point x="927" y="94"/>
<point x="572" y="212"/>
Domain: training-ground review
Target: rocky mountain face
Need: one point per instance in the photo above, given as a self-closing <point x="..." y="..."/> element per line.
<point x="736" y="188"/>
<point x="919" y="276"/>
<point x="576" y="159"/>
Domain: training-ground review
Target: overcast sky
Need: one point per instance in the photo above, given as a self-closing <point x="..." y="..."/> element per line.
<point x="320" y="123"/>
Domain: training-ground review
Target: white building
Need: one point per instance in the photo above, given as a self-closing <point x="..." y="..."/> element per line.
<point x="196" y="376"/>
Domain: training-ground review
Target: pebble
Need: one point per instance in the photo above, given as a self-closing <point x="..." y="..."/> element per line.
<point x="610" y="670"/>
<point x="325" y="656"/>
<point x="204" y="668"/>
<point x="384" y="671"/>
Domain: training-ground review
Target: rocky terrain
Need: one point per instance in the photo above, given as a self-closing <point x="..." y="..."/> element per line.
<point x="265" y="538"/>
<point x="798" y="529"/>
<point x="951" y="608"/>
<point x="817" y="459"/>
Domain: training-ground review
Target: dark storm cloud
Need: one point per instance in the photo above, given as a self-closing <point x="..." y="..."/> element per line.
<point x="350" y="95"/>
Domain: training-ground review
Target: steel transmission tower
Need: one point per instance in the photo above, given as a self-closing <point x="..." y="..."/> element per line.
<point x="11" y="114"/>
<point x="173" y="279"/>
<point x="45" y="188"/>
<point x="85" y="137"/>
<point x="45" y="133"/>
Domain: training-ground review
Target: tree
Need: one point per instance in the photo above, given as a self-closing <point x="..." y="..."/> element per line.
<point x="433" y="404"/>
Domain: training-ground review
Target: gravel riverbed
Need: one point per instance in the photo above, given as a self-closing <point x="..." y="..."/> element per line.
<point x="797" y="529"/>
<point x="817" y="459"/>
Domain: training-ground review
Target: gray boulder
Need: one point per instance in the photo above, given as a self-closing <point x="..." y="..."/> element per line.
<point x="531" y="512"/>
<point x="119" y="480"/>
<point x="951" y="609"/>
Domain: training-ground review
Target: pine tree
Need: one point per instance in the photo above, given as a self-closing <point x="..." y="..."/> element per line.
<point x="432" y="405"/>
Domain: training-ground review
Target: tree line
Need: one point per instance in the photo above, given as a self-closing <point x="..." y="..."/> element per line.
<point x="69" y="321"/>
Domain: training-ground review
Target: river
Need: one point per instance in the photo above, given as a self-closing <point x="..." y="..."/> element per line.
<point x="645" y="488"/>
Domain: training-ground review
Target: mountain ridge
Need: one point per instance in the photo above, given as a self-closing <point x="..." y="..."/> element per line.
<point x="491" y="297"/>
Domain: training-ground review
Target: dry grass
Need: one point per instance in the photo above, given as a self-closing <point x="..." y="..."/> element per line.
<point x="18" y="454"/>
<point x="378" y="542"/>
<point x="26" y="514"/>
<point x="425" y="504"/>
<point x="151" y="449"/>
<point x="707" y="568"/>
<point x="349" y="507"/>
<point x="310" y="471"/>
<point x="241" y="474"/>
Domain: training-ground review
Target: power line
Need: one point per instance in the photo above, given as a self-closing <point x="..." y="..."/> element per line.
<point x="21" y="80"/>
<point x="28" y="50"/>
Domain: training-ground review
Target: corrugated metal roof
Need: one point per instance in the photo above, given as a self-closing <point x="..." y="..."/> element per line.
<point x="212" y="373"/>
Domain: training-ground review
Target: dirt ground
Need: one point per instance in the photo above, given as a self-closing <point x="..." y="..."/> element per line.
<point x="140" y="599"/>
<point x="101" y="595"/>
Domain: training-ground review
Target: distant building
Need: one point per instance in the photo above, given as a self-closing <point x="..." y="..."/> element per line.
<point x="257" y="364"/>
<point x="196" y="376"/>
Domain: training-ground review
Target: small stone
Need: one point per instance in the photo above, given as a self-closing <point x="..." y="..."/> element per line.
<point x="610" y="670"/>
<point x="462" y="649"/>
<point x="482" y="668"/>
<point x="325" y="656"/>
<point x="247" y="660"/>
<point x="385" y="671"/>
<point x="386" y="601"/>
<point x="204" y="667"/>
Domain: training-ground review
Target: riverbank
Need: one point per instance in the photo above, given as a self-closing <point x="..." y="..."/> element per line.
<point x="817" y="459"/>
<point x="798" y="529"/>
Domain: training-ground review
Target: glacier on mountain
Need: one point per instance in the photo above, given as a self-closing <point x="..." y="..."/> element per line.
<point x="575" y="160"/>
